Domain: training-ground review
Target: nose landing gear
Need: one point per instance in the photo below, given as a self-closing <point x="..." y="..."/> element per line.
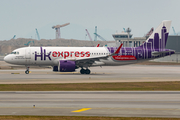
<point x="27" y="70"/>
<point x="85" y="71"/>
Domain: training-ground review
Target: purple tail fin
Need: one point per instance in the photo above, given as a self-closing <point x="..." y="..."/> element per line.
<point x="158" y="39"/>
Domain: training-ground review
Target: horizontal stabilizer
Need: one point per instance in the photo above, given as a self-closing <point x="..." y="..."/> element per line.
<point x="156" y="53"/>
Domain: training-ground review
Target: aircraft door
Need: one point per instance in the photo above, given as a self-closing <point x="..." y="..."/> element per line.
<point x="28" y="53"/>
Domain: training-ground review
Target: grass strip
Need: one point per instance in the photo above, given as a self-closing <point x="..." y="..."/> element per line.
<point x="78" y="118"/>
<point x="123" y="86"/>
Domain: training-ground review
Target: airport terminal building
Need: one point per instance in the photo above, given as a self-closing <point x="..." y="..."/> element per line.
<point x="127" y="39"/>
<point x="173" y="43"/>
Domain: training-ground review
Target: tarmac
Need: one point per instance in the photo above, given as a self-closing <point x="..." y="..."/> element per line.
<point x="96" y="103"/>
<point x="2" y="58"/>
<point x="128" y="73"/>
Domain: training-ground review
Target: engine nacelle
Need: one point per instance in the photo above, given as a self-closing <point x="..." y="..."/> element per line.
<point x="66" y="66"/>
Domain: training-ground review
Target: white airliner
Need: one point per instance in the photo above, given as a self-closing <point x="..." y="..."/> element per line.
<point x="68" y="59"/>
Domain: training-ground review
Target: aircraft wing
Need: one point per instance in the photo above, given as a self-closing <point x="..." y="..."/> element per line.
<point x="89" y="61"/>
<point x="156" y="53"/>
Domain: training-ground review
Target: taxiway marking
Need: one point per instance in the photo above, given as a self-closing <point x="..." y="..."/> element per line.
<point x="83" y="109"/>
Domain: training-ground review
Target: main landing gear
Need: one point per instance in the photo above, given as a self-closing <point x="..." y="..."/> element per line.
<point x="27" y="70"/>
<point x="85" y="71"/>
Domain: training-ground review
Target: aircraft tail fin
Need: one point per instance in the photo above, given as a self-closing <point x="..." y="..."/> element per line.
<point x="158" y="39"/>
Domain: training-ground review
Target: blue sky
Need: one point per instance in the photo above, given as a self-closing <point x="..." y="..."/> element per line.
<point x="21" y="17"/>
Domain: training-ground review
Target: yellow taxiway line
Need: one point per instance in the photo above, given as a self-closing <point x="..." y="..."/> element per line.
<point x="83" y="109"/>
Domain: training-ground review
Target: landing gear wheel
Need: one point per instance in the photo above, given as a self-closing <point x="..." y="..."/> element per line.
<point x="27" y="71"/>
<point x="88" y="71"/>
<point x="82" y="71"/>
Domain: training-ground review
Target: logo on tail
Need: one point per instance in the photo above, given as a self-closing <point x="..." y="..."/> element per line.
<point x="157" y="41"/>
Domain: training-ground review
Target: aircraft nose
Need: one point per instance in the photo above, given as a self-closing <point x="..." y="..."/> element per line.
<point x="7" y="59"/>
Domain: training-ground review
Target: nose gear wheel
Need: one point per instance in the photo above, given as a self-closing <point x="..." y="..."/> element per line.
<point x="27" y="70"/>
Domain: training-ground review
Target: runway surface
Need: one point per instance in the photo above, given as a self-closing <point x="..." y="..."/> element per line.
<point x="97" y="103"/>
<point x="2" y="58"/>
<point x="128" y="73"/>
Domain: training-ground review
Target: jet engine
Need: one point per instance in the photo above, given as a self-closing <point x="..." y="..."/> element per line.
<point x="65" y="66"/>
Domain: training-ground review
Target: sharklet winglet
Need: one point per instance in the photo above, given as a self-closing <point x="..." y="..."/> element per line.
<point x="117" y="51"/>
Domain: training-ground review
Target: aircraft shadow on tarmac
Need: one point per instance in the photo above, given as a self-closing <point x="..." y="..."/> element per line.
<point x="81" y="74"/>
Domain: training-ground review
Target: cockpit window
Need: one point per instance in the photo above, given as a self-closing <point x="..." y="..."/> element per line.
<point x="15" y="53"/>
